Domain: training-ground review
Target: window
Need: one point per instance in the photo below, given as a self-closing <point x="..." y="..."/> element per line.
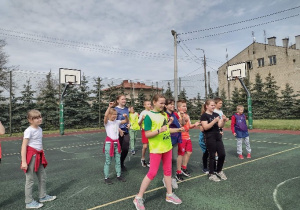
<point x="249" y="65"/>
<point x="261" y="62"/>
<point x="272" y="59"/>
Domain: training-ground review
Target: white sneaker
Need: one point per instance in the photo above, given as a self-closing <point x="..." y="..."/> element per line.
<point x="222" y="175"/>
<point x="214" y="178"/>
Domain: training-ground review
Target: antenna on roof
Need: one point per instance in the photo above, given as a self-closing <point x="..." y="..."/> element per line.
<point x="226" y="55"/>
<point x="265" y="39"/>
<point x="253" y="37"/>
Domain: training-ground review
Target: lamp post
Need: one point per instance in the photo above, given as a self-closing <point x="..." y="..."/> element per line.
<point x="174" y="34"/>
<point x="204" y="64"/>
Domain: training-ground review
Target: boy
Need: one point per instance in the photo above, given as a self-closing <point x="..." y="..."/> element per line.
<point x="147" y="106"/>
<point x="134" y="127"/>
<point x="2" y="132"/>
<point x="34" y="161"/>
<point x="185" y="148"/>
<point x="240" y="131"/>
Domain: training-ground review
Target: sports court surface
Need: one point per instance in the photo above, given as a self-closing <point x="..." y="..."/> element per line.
<point x="270" y="180"/>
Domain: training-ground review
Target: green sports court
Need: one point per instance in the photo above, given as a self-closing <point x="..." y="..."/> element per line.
<point x="270" y="180"/>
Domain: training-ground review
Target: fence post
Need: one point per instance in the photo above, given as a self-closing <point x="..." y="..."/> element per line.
<point x="249" y="101"/>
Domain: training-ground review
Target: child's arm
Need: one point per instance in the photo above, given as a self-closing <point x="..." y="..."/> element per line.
<point x="171" y="119"/>
<point x="110" y="105"/>
<point x="232" y="125"/>
<point x="24" y="165"/>
<point x="2" y="129"/>
<point x="176" y="130"/>
<point x="207" y="126"/>
<point x="150" y="134"/>
<point x="201" y="128"/>
<point x="126" y="119"/>
<point x="121" y="132"/>
<point x="141" y="119"/>
<point x="221" y="122"/>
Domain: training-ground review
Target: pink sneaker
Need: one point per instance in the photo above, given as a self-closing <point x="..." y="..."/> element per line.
<point x="249" y="155"/>
<point x="241" y="157"/>
<point x="139" y="203"/>
<point x="173" y="199"/>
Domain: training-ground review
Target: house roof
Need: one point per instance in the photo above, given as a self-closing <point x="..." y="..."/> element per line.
<point x="129" y="85"/>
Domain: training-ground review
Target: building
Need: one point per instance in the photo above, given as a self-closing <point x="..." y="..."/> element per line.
<point x="132" y="89"/>
<point x="283" y="62"/>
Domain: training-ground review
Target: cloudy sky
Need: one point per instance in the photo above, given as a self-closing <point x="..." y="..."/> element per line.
<point x="132" y="39"/>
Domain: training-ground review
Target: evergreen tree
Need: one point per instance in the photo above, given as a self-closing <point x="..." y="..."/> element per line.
<point x="235" y="100"/>
<point x="139" y="107"/>
<point x="297" y="106"/>
<point x="271" y="99"/>
<point x="169" y="93"/>
<point x="258" y="98"/>
<point x="244" y="95"/>
<point x="288" y="102"/>
<point x="211" y="94"/>
<point x="196" y="108"/>
<point x="226" y="103"/>
<point x="48" y="102"/>
<point x="98" y="99"/>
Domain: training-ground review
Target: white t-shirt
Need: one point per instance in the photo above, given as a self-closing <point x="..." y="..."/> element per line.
<point x="219" y="112"/>
<point x="112" y="129"/>
<point x="143" y="113"/>
<point x="35" y="136"/>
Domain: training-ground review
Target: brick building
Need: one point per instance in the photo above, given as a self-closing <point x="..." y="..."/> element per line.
<point x="283" y="62"/>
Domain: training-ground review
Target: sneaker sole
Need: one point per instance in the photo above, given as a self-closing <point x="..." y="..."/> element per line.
<point x="186" y="174"/>
<point x="135" y="205"/>
<point x="171" y="201"/>
<point x="54" y="197"/>
<point x="34" y="207"/>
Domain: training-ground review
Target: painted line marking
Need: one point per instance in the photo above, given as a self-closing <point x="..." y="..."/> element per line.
<point x="77" y="192"/>
<point x="276" y="190"/>
<point x="162" y="187"/>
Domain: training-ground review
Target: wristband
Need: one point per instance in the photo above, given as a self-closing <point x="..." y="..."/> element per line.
<point x="157" y="131"/>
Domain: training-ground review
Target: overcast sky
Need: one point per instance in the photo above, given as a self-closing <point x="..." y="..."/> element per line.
<point x="132" y="39"/>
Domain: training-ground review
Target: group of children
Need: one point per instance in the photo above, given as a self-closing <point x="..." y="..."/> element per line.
<point x="164" y="131"/>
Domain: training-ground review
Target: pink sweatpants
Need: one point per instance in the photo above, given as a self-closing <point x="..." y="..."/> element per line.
<point x="155" y="162"/>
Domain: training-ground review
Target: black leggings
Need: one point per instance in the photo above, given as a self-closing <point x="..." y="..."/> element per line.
<point x="124" y="142"/>
<point x="215" y="144"/>
<point x="205" y="158"/>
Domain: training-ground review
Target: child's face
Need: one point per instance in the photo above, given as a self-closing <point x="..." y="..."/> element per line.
<point x="170" y="107"/>
<point x="36" y="121"/>
<point x="113" y="116"/>
<point x="182" y="108"/>
<point x="122" y="101"/>
<point x="147" y="105"/>
<point x="159" y="104"/>
<point x="240" y="111"/>
<point x="131" y="110"/>
<point x="219" y="105"/>
<point x="211" y="106"/>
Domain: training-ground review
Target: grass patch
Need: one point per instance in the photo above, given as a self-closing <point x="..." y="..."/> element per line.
<point x="272" y="124"/>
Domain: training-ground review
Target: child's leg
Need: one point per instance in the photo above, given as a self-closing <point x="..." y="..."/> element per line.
<point x="155" y="162"/>
<point x="239" y="142"/>
<point x="181" y="152"/>
<point x="204" y="159"/>
<point x="131" y="134"/>
<point x="179" y="163"/>
<point x="211" y="147"/>
<point x="167" y="167"/>
<point x="124" y="141"/>
<point x="247" y="143"/>
<point x="117" y="160"/>
<point x="41" y="174"/>
<point x="107" y="160"/>
<point x="187" y="155"/>
<point x="29" y="181"/>
<point x="145" y="146"/>
<point x="221" y="153"/>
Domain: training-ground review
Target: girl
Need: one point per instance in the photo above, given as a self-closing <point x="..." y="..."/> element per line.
<point x="160" y="146"/>
<point x="112" y="145"/>
<point x="134" y="127"/>
<point x="211" y="123"/>
<point x="124" y="133"/>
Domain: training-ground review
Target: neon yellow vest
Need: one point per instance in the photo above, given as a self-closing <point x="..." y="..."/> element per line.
<point x="160" y="143"/>
<point x="134" y="121"/>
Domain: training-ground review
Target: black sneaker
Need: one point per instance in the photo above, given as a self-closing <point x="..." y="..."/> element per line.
<point x="205" y="170"/>
<point x="143" y="162"/>
<point x="123" y="168"/>
<point x="121" y="179"/>
<point x="185" y="172"/>
<point x="179" y="177"/>
<point x="108" y="181"/>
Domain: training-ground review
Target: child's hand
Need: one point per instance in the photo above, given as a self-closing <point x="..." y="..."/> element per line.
<point x="217" y="119"/>
<point x="128" y="126"/>
<point x="221" y="132"/>
<point x="181" y="129"/>
<point x="225" y="119"/>
<point x="111" y="104"/>
<point x="121" y="133"/>
<point x="24" y="166"/>
<point x="197" y="124"/>
<point x="234" y="134"/>
<point x="125" y="115"/>
<point x="163" y="129"/>
<point x="171" y="119"/>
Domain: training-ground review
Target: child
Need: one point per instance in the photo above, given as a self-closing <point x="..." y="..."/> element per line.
<point x="147" y="106"/>
<point x="211" y="123"/>
<point x="2" y="132"/>
<point x="34" y="161"/>
<point x="240" y="131"/>
<point x="160" y="145"/>
<point x="112" y="145"/>
<point x="134" y="127"/>
<point x="124" y="134"/>
<point x="185" y="148"/>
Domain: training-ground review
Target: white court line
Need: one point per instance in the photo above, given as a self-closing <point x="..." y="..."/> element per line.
<point x="276" y="190"/>
<point x="77" y="192"/>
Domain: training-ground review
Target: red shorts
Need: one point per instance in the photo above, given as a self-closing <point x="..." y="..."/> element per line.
<point x="185" y="146"/>
<point x="144" y="139"/>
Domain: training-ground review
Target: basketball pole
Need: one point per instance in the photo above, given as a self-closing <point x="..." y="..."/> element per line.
<point x="249" y="101"/>
<point x="61" y="111"/>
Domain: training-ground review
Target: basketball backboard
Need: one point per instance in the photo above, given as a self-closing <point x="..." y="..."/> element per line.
<point x="236" y="71"/>
<point x="72" y="76"/>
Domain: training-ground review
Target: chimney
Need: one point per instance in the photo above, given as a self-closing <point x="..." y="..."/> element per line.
<point x="297" y="38"/>
<point x="285" y="42"/>
<point x="272" y="41"/>
<point x="125" y="81"/>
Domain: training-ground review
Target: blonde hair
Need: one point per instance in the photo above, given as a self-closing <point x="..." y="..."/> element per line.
<point x="112" y="111"/>
<point x="207" y="102"/>
<point x="239" y="107"/>
<point x="33" y="114"/>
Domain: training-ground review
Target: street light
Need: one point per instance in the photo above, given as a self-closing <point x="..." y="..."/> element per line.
<point x="204" y="64"/>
